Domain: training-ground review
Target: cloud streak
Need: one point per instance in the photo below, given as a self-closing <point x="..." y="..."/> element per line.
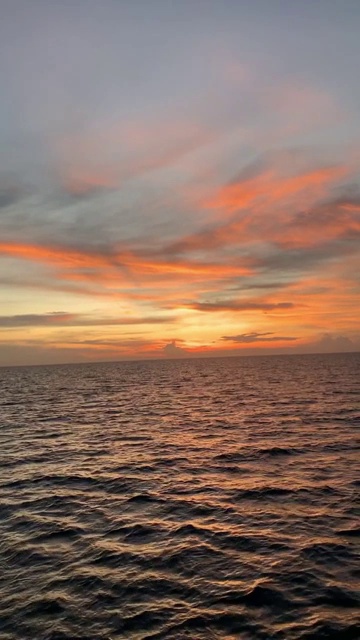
<point x="250" y="338"/>
<point x="62" y="319"/>
<point x="240" y="305"/>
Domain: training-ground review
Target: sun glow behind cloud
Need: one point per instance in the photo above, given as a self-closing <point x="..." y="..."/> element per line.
<point x="211" y="213"/>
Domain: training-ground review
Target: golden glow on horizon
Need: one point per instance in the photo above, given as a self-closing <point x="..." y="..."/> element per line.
<point x="265" y="262"/>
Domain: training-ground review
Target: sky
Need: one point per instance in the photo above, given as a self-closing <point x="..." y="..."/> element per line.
<point x="178" y="178"/>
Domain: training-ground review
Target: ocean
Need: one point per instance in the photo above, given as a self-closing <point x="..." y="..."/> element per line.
<point x="192" y="499"/>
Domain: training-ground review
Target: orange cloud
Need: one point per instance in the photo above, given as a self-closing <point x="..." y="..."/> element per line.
<point x="327" y="300"/>
<point x="269" y="188"/>
<point x="325" y="224"/>
<point x="280" y="209"/>
<point x="123" y="269"/>
<point x="190" y="268"/>
<point x="52" y="255"/>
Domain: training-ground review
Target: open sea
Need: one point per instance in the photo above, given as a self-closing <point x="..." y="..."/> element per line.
<point x="191" y="499"/>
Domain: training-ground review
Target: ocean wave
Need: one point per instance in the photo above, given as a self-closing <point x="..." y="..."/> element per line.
<point x="189" y="500"/>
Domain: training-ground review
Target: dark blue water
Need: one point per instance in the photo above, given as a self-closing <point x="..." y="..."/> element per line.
<point x="196" y="499"/>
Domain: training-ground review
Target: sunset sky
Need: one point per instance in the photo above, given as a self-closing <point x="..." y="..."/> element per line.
<point x="178" y="178"/>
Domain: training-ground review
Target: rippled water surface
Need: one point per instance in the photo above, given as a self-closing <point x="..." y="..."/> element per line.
<point x="196" y="499"/>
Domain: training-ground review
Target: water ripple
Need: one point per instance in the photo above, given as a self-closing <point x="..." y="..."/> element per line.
<point x="199" y="499"/>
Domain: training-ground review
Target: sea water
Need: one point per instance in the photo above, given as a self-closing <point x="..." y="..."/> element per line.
<point x="200" y="499"/>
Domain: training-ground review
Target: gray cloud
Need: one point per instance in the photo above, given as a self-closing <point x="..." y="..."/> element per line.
<point x="9" y="194"/>
<point x="171" y="350"/>
<point x="36" y="319"/>
<point x="60" y="318"/>
<point x="247" y="338"/>
<point x="296" y="261"/>
<point x="234" y="305"/>
<point x="333" y="342"/>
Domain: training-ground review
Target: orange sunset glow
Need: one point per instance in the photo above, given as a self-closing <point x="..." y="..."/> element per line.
<point x="232" y="223"/>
